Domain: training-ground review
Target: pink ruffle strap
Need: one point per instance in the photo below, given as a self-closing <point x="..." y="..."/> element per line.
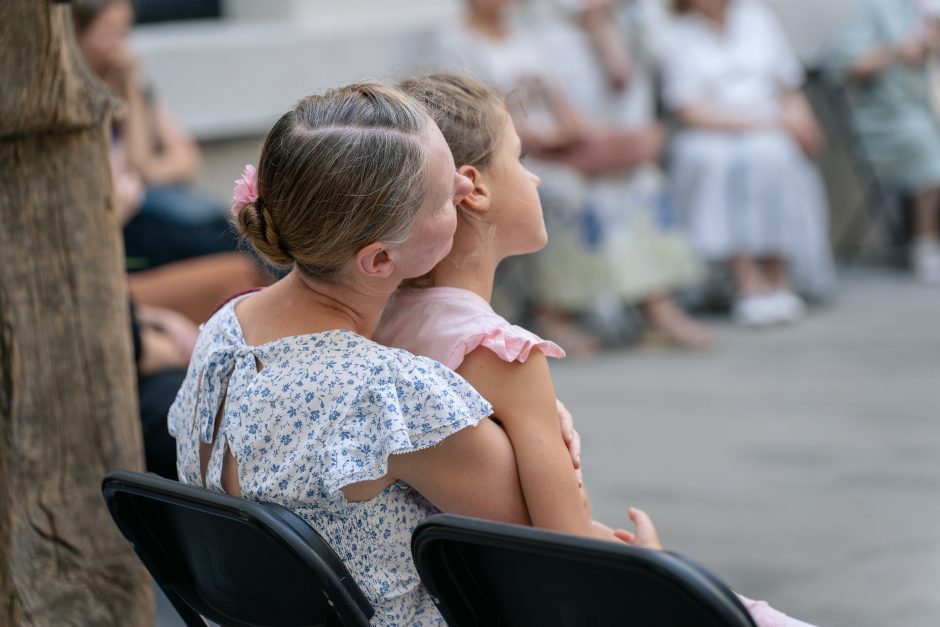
<point x="509" y="343"/>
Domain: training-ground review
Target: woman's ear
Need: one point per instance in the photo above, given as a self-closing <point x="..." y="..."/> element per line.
<point x="478" y="200"/>
<point x="373" y="261"/>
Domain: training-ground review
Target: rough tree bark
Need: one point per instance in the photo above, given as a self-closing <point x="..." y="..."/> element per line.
<point x="68" y="411"/>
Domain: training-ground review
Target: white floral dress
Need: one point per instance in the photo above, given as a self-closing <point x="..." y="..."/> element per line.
<point x="325" y="410"/>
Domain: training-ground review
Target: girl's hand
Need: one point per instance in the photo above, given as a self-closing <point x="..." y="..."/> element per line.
<point x="645" y="535"/>
<point x="571" y="437"/>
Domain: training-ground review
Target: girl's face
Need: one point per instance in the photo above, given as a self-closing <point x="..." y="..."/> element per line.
<point x="104" y="41"/>
<point x="515" y="207"/>
<point x="432" y="236"/>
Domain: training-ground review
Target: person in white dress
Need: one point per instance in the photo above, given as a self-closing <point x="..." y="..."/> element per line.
<point x="740" y="163"/>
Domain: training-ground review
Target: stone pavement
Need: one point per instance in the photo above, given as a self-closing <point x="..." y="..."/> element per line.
<point x="801" y="464"/>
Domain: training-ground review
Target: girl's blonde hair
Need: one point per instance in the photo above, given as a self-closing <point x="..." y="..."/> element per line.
<point x="471" y="115"/>
<point x="337" y="173"/>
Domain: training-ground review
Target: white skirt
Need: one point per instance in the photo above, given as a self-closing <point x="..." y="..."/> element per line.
<point x="754" y="194"/>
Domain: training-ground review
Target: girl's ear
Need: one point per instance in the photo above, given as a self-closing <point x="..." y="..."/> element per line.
<point x="374" y="261"/>
<point x="479" y="199"/>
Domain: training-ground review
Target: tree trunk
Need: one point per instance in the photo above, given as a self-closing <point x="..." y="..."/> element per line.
<point x="68" y="410"/>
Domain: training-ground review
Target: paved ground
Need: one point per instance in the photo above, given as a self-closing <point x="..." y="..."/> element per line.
<point x="801" y="465"/>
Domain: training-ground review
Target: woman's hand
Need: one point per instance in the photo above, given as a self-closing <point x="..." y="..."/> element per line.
<point x="572" y="438"/>
<point x="645" y="535"/>
<point x="912" y="51"/>
<point x="176" y="327"/>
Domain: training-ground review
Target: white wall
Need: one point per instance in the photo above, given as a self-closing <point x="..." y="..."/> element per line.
<point x="233" y="77"/>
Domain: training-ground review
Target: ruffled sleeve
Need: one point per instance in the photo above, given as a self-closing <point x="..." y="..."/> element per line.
<point x="408" y="404"/>
<point x="508" y="341"/>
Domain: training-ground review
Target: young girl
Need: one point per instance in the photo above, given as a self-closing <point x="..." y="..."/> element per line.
<point x="448" y="318"/>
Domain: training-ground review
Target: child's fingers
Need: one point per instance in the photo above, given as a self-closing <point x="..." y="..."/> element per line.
<point x="625" y="536"/>
<point x="641" y="520"/>
<point x="645" y="530"/>
<point x="570" y="435"/>
<point x="574" y="448"/>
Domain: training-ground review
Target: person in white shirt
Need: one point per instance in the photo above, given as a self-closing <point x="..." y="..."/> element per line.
<point x="740" y="164"/>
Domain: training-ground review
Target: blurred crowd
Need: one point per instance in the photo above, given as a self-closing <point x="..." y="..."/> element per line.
<point x="675" y="148"/>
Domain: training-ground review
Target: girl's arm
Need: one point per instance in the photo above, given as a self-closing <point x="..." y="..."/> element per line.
<point x="523" y="399"/>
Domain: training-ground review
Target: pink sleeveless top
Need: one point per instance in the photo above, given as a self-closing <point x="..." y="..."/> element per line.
<point x="448" y="323"/>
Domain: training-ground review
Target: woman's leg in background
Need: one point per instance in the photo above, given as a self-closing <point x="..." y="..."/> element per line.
<point x="925" y="248"/>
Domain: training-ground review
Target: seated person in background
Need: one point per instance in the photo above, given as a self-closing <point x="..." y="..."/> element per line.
<point x="173" y="221"/>
<point x="882" y="57"/>
<point x="610" y="243"/>
<point x="740" y="163"/>
<point x="184" y="263"/>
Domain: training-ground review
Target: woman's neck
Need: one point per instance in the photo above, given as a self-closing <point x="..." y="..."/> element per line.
<point x="490" y="24"/>
<point x="301" y="305"/>
<point x="471" y="265"/>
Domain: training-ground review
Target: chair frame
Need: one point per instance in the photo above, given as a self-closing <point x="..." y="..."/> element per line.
<point x="348" y="605"/>
<point x="463" y="605"/>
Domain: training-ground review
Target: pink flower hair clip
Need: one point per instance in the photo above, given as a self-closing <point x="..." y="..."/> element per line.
<point x="246" y="190"/>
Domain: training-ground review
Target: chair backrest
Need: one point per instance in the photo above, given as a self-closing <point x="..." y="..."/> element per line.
<point x="230" y="560"/>
<point x="482" y="573"/>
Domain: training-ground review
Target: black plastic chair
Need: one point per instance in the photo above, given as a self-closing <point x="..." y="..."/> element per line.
<point x="482" y="573"/>
<point x="230" y="560"/>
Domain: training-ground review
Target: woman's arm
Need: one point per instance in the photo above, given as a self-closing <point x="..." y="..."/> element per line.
<point x="178" y="159"/>
<point x="472" y="472"/>
<point x="707" y="117"/>
<point x="523" y="400"/>
<point x="869" y="64"/>
<point x="798" y="119"/>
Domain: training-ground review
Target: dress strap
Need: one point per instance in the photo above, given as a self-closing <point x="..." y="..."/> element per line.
<point x="225" y="376"/>
<point x="221" y="366"/>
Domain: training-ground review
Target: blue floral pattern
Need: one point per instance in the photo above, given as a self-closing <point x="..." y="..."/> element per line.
<point x="305" y="416"/>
